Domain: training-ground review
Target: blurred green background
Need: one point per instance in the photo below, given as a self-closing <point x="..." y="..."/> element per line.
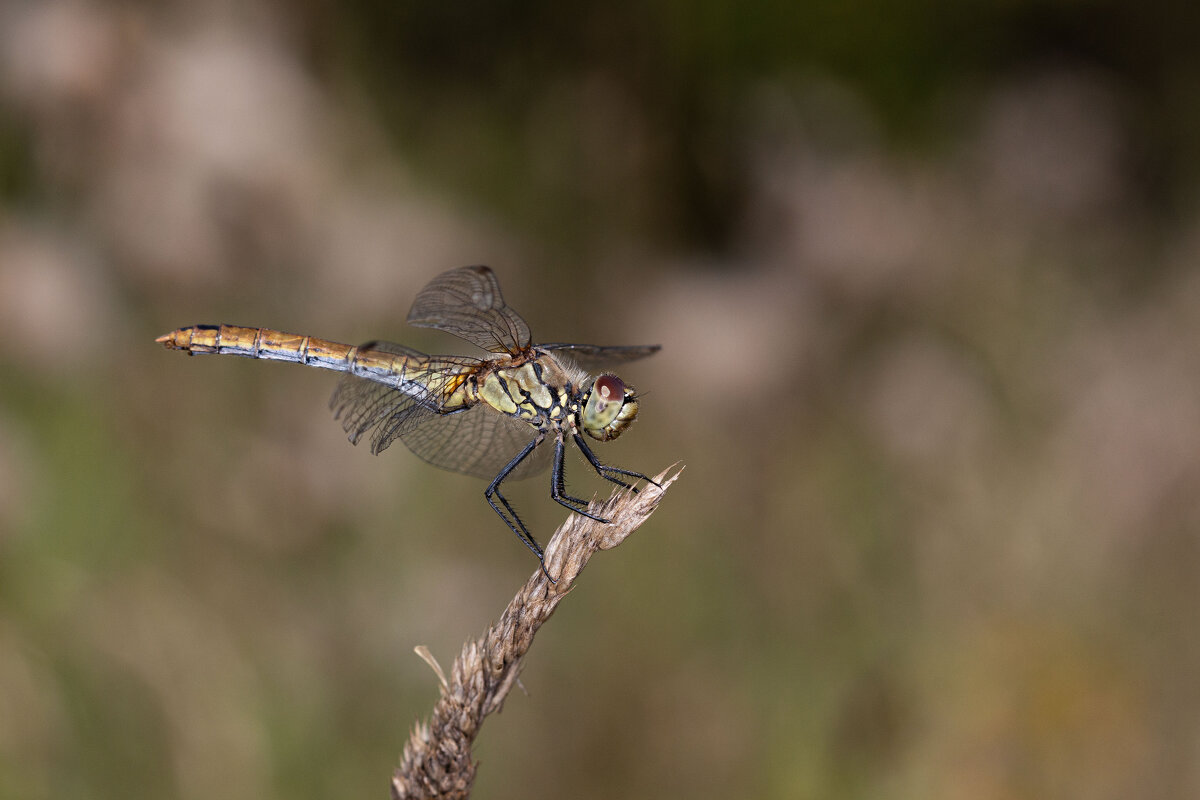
<point x="925" y="277"/>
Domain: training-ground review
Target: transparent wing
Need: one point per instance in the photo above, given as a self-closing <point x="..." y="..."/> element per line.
<point x="364" y="406"/>
<point x="467" y="303"/>
<point x="386" y="412"/>
<point x="476" y="440"/>
<point x="594" y="357"/>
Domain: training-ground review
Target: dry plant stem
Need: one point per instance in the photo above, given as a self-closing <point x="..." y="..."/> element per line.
<point x="437" y="759"/>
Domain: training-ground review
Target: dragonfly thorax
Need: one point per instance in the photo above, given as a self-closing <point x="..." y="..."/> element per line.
<point x="537" y="392"/>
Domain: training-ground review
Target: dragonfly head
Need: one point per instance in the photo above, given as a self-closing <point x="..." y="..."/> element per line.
<point x="609" y="408"/>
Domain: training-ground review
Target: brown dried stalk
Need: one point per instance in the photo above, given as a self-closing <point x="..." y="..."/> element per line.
<point x="437" y="759"/>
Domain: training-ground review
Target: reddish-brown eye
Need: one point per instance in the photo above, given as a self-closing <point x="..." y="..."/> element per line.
<point x="610" y="408"/>
<point x="610" y="388"/>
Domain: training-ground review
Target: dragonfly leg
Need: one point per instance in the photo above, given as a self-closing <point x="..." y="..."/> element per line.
<point x="511" y="519"/>
<point x="609" y="473"/>
<point x="558" y="489"/>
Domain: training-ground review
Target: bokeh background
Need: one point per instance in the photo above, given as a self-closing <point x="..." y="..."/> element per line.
<point x="925" y="277"/>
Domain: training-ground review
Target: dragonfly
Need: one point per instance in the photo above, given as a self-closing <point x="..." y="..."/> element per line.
<point x="494" y="417"/>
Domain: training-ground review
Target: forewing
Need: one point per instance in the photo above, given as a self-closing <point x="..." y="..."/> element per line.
<point x="594" y="357"/>
<point x="467" y="303"/>
<point x="478" y="441"/>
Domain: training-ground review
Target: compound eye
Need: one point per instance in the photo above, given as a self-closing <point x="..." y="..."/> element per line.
<point x="604" y="404"/>
<point x="610" y="388"/>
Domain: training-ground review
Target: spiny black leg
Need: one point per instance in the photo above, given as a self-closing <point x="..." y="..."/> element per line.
<point x="521" y="529"/>
<point x="558" y="488"/>
<point x="605" y="471"/>
<point x="514" y="523"/>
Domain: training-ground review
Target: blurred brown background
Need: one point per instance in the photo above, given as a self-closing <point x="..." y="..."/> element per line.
<point x="925" y="277"/>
